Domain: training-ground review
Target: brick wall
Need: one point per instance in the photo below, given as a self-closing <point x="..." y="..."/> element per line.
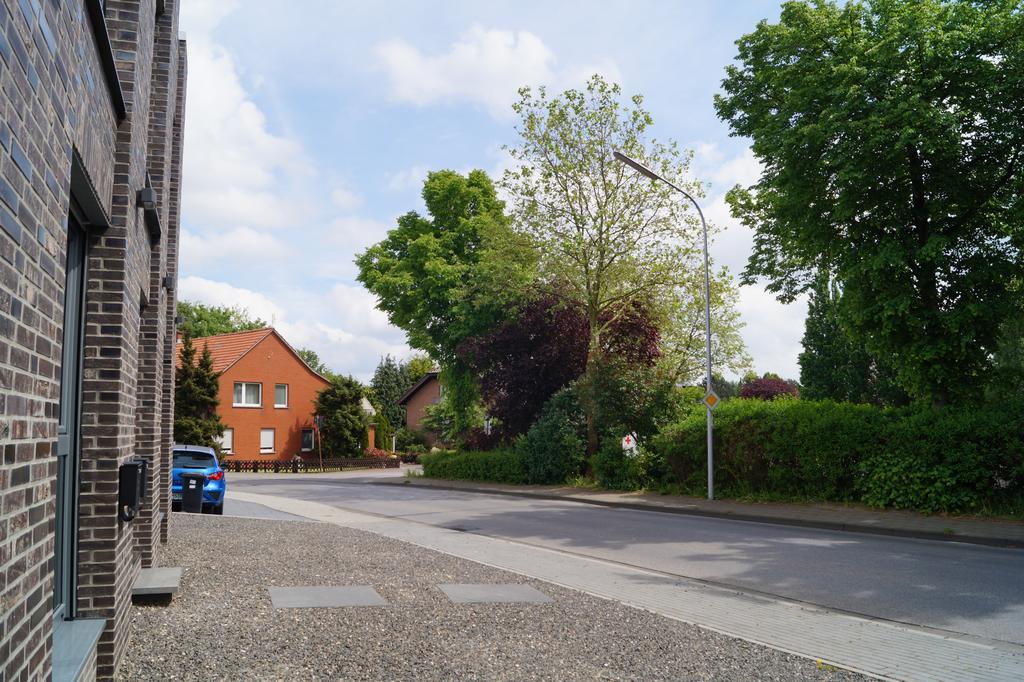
<point x="56" y="105"/>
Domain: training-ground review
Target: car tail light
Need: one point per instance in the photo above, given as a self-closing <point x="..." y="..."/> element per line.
<point x="216" y="475"/>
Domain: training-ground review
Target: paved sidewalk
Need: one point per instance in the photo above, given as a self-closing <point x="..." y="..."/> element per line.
<point x="879" y="648"/>
<point x="293" y="600"/>
<point x="828" y="516"/>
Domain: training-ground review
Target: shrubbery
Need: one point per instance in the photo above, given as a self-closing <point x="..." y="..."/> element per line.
<point x="954" y="459"/>
<point x="497" y="466"/>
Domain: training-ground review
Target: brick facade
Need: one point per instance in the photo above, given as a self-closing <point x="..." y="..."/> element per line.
<point x="91" y="107"/>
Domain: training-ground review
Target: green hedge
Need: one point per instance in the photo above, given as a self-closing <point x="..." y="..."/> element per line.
<point x="496" y="466"/>
<point x="954" y="459"/>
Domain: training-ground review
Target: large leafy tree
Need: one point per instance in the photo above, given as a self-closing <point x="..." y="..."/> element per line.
<point x="196" y="421"/>
<point x="342" y="419"/>
<point x="892" y="143"/>
<point x="604" y="234"/>
<point x="201" y="320"/>
<point x="450" y="274"/>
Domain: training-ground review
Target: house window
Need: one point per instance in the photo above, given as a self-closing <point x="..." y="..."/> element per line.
<point x="227" y="441"/>
<point x="307" y="440"/>
<point x="280" y="395"/>
<point x="266" y="441"/>
<point x="248" y="394"/>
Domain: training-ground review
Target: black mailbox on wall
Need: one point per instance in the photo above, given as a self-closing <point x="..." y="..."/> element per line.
<point x="131" y="488"/>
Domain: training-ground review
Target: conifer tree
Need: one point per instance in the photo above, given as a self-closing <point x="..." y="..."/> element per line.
<point x="196" y="421"/>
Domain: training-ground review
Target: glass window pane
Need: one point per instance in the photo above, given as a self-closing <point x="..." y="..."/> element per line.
<point x="307" y="439"/>
<point x="252" y="394"/>
<point x="281" y="394"/>
<point x="267" y="439"/>
<point x="238" y="393"/>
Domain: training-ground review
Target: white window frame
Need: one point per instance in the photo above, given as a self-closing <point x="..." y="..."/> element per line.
<point x="243" y="384"/>
<point x="302" y="436"/>
<point x="264" y="450"/>
<point x="285" y="403"/>
<point x="227" y="441"/>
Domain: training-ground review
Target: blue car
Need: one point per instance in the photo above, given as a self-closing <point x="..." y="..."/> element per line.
<point x="198" y="459"/>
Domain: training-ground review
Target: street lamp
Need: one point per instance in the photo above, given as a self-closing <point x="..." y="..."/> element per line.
<point x="710" y="399"/>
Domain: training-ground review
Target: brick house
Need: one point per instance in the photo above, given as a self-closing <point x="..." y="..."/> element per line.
<point x="266" y="394"/>
<point x="92" y="98"/>
<point x="423" y="394"/>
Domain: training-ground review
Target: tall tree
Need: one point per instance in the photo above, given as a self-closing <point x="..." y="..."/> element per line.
<point x="450" y="274"/>
<point x="196" y="421"/>
<point x="312" y="358"/>
<point x="388" y="384"/>
<point x="892" y="145"/>
<point x="605" y="234"/>
<point x="342" y="419"/>
<point x="209" y="320"/>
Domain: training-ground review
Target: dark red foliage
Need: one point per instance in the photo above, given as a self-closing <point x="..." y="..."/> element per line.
<point x="768" y="388"/>
<point x="523" y="362"/>
<point x="376" y="453"/>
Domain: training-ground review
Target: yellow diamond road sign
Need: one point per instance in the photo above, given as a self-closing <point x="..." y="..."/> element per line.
<point x="711" y="399"/>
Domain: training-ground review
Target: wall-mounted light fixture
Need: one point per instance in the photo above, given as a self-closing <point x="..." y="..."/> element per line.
<point x="146" y="198"/>
<point x="168" y="282"/>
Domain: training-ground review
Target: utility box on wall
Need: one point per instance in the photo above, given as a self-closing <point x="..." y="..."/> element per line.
<point x="131" y="488"/>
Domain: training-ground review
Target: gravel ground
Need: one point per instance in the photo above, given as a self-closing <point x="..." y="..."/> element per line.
<point x="221" y="624"/>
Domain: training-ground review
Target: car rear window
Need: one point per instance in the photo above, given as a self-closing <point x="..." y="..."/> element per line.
<point x="192" y="460"/>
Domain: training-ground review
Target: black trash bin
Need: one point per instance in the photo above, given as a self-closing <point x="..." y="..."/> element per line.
<point x="192" y="493"/>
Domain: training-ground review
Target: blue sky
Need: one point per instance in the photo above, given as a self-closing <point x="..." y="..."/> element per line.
<point x="311" y="124"/>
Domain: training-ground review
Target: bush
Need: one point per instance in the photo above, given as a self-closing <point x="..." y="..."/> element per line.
<point x="376" y="453"/>
<point x="407" y="439"/>
<point x="768" y="388"/>
<point x="955" y="459"/>
<point x="497" y="466"/>
<point x="554" y="448"/>
<point x="614" y="469"/>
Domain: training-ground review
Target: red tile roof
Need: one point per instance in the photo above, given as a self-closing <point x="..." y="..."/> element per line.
<point x="226" y="349"/>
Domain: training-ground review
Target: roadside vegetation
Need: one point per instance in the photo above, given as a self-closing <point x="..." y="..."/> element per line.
<point x="890" y="194"/>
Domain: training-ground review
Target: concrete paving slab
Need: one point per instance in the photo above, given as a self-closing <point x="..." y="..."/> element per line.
<point x="325" y="597"/>
<point x="494" y="594"/>
<point x="162" y="580"/>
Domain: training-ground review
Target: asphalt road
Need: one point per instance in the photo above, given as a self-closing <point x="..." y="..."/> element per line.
<point x="953" y="586"/>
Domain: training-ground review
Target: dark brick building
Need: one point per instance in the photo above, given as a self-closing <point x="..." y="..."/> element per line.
<point x="91" y="109"/>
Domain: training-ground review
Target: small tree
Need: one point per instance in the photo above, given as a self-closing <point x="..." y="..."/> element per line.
<point x="388" y="384"/>
<point x="343" y="421"/>
<point x="196" y="421"/>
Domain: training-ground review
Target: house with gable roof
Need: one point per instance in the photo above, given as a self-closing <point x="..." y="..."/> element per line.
<point x="267" y="394"/>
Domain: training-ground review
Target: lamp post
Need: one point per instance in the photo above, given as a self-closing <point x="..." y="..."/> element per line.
<point x="710" y="399"/>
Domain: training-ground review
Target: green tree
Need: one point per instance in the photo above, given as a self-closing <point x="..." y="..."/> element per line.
<point x="343" y="421"/>
<point x="209" y="320"/>
<point x="388" y="384"/>
<point x="450" y="274"/>
<point x="312" y="358"/>
<point x="892" y="144"/>
<point x="606" y="235"/>
<point x="196" y="421"/>
<point x="1008" y="360"/>
<point x="835" y="366"/>
<point x="415" y="368"/>
<point x="684" y="345"/>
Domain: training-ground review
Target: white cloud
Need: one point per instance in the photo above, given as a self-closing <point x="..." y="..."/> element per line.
<point x="237" y="172"/>
<point x="202" y="16"/>
<point x="345" y="199"/>
<point x="212" y="292"/>
<point x="342" y="325"/>
<point x="241" y="244"/>
<point x="408" y="178"/>
<point x="484" y="66"/>
<point x="773" y="331"/>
